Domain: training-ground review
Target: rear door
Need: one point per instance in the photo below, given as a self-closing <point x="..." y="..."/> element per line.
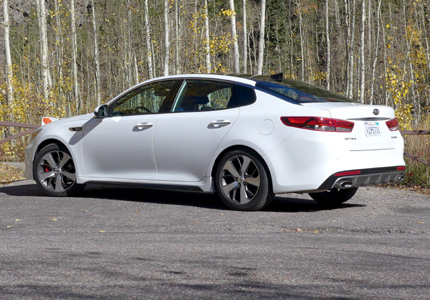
<point x="185" y="140"/>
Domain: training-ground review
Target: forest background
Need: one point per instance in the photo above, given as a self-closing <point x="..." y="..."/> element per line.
<point x="64" y="57"/>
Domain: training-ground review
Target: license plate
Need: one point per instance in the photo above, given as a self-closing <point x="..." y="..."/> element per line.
<point x="372" y="128"/>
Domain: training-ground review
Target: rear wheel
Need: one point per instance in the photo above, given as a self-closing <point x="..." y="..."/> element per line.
<point x="54" y="171"/>
<point x="242" y="181"/>
<point x="334" y="197"/>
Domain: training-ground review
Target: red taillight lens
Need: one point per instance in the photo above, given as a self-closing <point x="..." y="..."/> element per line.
<point x="401" y="168"/>
<point x="393" y="124"/>
<point x="318" y="123"/>
<point x="347" y="173"/>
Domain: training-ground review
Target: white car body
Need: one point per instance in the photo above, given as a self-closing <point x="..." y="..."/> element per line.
<point x="180" y="150"/>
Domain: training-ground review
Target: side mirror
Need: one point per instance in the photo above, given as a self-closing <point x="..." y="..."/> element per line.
<point x="101" y="111"/>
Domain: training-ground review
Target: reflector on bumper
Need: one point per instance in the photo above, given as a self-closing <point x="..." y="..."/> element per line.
<point x="367" y="177"/>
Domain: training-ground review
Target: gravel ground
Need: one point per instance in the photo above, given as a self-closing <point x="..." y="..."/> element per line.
<point x="140" y="244"/>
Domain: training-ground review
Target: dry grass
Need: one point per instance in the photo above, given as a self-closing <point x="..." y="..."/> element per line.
<point x="10" y="174"/>
<point x="418" y="173"/>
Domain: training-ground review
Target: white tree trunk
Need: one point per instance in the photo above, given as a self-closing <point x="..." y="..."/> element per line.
<point x="245" y="40"/>
<point x="351" y="53"/>
<point x="148" y="42"/>
<point x="375" y="60"/>
<point x="46" y="75"/>
<point x="327" y="31"/>
<point x="207" y="37"/>
<point x="9" y="70"/>
<point x="362" y="47"/>
<point x="74" y="57"/>
<point x="261" y="39"/>
<point x="96" y="55"/>
<point x="302" y="46"/>
<point x="234" y="35"/>
<point x="166" y="38"/>
<point x="177" y="65"/>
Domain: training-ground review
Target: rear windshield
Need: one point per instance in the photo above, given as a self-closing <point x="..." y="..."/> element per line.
<point x="298" y="91"/>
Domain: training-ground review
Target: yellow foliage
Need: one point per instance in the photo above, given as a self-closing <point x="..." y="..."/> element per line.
<point x="26" y="106"/>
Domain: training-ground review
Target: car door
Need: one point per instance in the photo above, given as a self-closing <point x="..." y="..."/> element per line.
<point x="186" y="139"/>
<point x="120" y="146"/>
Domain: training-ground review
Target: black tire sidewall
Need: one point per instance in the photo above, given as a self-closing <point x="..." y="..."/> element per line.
<point x="264" y="194"/>
<point x="75" y="188"/>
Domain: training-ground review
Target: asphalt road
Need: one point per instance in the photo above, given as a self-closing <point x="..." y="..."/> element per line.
<point x="140" y="244"/>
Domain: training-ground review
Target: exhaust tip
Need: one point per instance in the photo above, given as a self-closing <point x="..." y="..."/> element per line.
<point x="343" y="184"/>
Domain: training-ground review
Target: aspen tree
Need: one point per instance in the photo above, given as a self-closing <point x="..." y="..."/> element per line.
<point x="9" y="70"/>
<point x="46" y="74"/>
<point x="96" y="54"/>
<point x="166" y="38"/>
<point x="207" y="37"/>
<point x="362" y="56"/>
<point x="327" y="31"/>
<point x="234" y="35"/>
<point x="148" y="42"/>
<point x="372" y="82"/>
<point x="261" y="39"/>
<point x="76" y="91"/>
<point x="245" y="40"/>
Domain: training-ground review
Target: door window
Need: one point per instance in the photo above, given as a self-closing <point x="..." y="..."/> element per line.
<point x="204" y="95"/>
<point x="147" y="99"/>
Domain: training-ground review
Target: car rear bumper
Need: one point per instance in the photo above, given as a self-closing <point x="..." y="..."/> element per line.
<point x="366" y="177"/>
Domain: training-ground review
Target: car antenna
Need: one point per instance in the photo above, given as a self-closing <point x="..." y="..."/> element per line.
<point x="277" y="77"/>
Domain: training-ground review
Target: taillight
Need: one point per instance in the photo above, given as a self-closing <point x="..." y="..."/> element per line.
<point x="318" y="123"/>
<point x="393" y="124"/>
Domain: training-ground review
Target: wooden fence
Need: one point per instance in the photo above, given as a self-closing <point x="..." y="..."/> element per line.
<point x="32" y="127"/>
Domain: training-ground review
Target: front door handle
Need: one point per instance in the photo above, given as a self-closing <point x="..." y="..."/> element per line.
<point x="143" y="126"/>
<point x="218" y="124"/>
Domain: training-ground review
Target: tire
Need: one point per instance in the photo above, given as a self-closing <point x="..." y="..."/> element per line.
<point x="334" y="197"/>
<point x="54" y="171"/>
<point x="242" y="181"/>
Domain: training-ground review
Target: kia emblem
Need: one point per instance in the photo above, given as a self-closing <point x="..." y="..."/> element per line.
<point x="376" y="111"/>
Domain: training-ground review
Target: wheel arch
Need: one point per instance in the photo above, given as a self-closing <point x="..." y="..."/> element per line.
<point x="60" y="143"/>
<point x="244" y="148"/>
<point x="48" y="142"/>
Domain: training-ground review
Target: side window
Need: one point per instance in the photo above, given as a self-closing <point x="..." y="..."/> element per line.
<point x="204" y="95"/>
<point x="245" y="94"/>
<point x="146" y="99"/>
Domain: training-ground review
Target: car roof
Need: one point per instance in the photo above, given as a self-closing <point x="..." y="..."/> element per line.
<point x="241" y="78"/>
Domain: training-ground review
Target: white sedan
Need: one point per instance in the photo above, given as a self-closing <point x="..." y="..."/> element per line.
<point x="244" y="138"/>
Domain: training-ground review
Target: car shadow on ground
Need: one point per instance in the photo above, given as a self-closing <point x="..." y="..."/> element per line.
<point x="285" y="203"/>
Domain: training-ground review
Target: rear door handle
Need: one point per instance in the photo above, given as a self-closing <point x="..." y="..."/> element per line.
<point x="143" y="126"/>
<point x="219" y="124"/>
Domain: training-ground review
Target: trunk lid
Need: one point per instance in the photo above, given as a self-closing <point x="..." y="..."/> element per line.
<point x="370" y="129"/>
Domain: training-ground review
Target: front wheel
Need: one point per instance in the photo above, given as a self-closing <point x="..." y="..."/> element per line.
<point x="54" y="171"/>
<point x="242" y="181"/>
<point x="334" y="197"/>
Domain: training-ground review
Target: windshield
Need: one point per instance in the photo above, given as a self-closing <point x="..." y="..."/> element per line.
<point x="300" y="92"/>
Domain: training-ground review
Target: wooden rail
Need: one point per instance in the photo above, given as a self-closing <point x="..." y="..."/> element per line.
<point x="415" y="132"/>
<point x="32" y="127"/>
